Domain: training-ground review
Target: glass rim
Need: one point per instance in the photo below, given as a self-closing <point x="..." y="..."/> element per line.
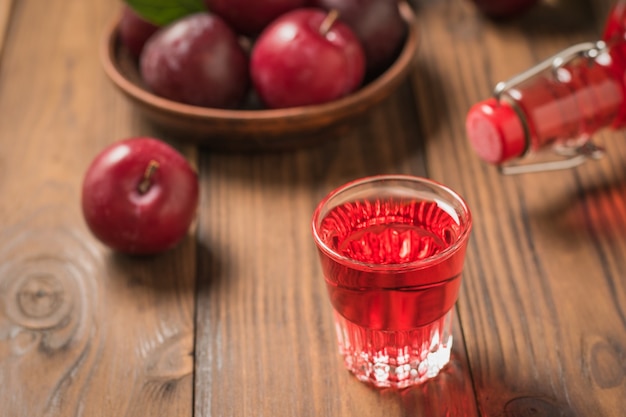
<point x="422" y="263"/>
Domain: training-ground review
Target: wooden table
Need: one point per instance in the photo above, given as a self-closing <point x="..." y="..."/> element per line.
<point x="235" y="321"/>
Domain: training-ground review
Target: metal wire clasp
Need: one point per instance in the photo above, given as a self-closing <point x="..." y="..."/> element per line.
<point x="572" y="157"/>
<point x="568" y="156"/>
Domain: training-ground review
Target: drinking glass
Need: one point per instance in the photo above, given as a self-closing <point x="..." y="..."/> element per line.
<point x="392" y="249"/>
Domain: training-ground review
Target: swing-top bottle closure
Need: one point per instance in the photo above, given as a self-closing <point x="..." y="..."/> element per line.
<point x="500" y="134"/>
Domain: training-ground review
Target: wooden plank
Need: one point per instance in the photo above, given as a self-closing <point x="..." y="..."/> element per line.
<point x="543" y="296"/>
<point x="265" y="340"/>
<point x="5" y="12"/>
<point x="82" y="331"/>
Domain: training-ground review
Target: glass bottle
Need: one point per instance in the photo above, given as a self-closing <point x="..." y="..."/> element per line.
<point x="558" y="104"/>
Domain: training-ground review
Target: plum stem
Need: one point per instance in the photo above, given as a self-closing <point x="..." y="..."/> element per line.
<point x="146" y="181"/>
<point x="329" y="21"/>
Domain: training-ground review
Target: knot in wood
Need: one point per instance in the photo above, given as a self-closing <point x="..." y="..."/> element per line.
<point x="40" y="296"/>
<point x="606" y="366"/>
<point x="534" y="407"/>
<point x="41" y="293"/>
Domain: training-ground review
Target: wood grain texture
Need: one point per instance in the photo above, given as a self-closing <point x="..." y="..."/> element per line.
<point x="5" y="12"/>
<point x="82" y="331"/>
<point x="542" y="304"/>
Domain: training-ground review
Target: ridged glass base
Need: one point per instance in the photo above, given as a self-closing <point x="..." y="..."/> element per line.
<point x="396" y="359"/>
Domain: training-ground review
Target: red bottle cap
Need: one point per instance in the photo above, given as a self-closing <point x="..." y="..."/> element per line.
<point x="495" y="131"/>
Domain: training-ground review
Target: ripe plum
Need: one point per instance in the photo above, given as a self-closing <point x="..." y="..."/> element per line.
<point x="303" y="58"/>
<point x="377" y="23"/>
<point x="134" y="31"/>
<point x="250" y="17"/>
<point x="139" y="196"/>
<point x="196" y="60"/>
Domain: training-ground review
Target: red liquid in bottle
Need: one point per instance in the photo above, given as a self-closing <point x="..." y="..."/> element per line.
<point x="559" y="104"/>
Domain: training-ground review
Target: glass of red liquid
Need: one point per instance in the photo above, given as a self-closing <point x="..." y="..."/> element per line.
<point x="392" y="249"/>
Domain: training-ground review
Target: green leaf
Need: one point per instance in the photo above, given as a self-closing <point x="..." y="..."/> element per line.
<point x="162" y="12"/>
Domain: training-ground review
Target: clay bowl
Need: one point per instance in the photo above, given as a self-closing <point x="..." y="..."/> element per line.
<point x="256" y="128"/>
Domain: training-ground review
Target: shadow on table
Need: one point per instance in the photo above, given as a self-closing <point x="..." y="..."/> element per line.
<point x="170" y="271"/>
<point x="448" y="395"/>
<point x="596" y="209"/>
<point x="211" y="267"/>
